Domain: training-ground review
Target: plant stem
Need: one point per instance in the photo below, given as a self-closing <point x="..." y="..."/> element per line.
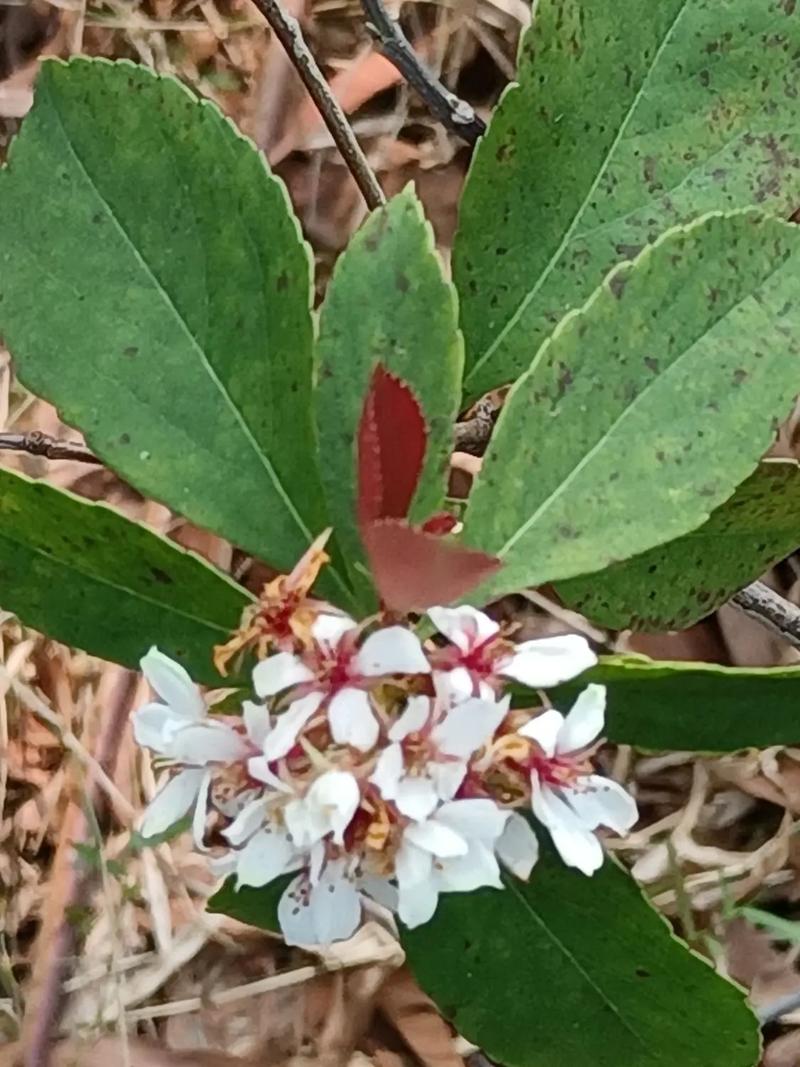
<point x="36" y="443"/>
<point x="771" y="610"/>
<point x="456" y="114"/>
<point x="287" y="30"/>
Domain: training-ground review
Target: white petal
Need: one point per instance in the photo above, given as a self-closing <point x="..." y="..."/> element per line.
<point x="330" y="911"/>
<point x="388" y="771"/>
<point x="278" y="672"/>
<point x="171" y="802"/>
<point x="447" y="777"/>
<point x="453" y="687"/>
<point x="413" y="718"/>
<point x="305" y="825"/>
<point x="173" y="685"/>
<point x="335" y="793"/>
<point x="476" y="817"/>
<point x="153" y="726"/>
<point x="465" y="627"/>
<point x="548" y="661"/>
<point x="351" y="719"/>
<point x="249" y="819"/>
<point x="585" y="720"/>
<point x="266" y="856"/>
<point x="208" y="743"/>
<point x="517" y="846"/>
<point x="412" y="865"/>
<point x="476" y="869"/>
<point x="330" y="629"/>
<point x="256" y="722"/>
<point x="380" y="890"/>
<point x="436" y="838"/>
<point x="577" y="846"/>
<point x="416" y="798"/>
<point x="288" y="725"/>
<point x="201" y="813"/>
<point x="468" y="726"/>
<point x="601" y="801"/>
<point x="544" y="729"/>
<point x="258" y="768"/>
<point x="393" y="650"/>
<point x="578" y="849"/>
<point x="335" y="909"/>
<point x="416" y="903"/>
<point x="222" y="866"/>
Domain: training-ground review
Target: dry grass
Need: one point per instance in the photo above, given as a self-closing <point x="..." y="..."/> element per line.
<point x="147" y="972"/>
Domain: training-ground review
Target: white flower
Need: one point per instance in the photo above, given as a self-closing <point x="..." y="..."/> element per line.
<point x="263" y="850"/>
<point x="479" y="656"/>
<point x="571" y="803"/>
<point x="452" y="851"/>
<point x="340" y="673"/>
<point x="461" y="732"/>
<point x="517" y="847"/>
<point x="178" y="728"/>
<point x="317" y="911"/>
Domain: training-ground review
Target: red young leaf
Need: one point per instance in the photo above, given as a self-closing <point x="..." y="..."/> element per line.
<point x="441" y="523"/>
<point x="414" y="570"/>
<point x="391" y="448"/>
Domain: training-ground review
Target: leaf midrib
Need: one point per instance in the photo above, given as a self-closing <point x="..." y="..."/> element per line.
<point x="654" y="383"/>
<point x="555" y="258"/>
<point x="511" y="884"/>
<point x="184" y="327"/>
<point x="70" y="568"/>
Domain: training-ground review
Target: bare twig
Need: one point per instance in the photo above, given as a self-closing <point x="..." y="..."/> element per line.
<point x="287" y="30"/>
<point x="36" y="443"/>
<point x="472" y="435"/>
<point x="456" y="114"/>
<point x="771" y="610"/>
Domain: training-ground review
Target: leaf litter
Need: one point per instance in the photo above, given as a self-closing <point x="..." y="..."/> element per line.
<point x="153" y="980"/>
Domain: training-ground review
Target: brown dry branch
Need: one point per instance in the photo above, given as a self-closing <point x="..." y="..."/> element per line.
<point x="457" y="115"/>
<point x="772" y="610"/>
<point x="287" y="29"/>
<point x="37" y="443"/>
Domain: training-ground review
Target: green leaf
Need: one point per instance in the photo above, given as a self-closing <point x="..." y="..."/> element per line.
<point x="159" y="296"/>
<point x="87" y="576"/>
<point x="257" y="907"/>
<point x="629" y="117"/>
<point x="672" y="586"/>
<point x="696" y="707"/>
<point x="581" y="971"/>
<point x="645" y="410"/>
<point x="388" y="302"/>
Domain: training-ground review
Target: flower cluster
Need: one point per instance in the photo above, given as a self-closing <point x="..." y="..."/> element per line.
<point x="379" y="768"/>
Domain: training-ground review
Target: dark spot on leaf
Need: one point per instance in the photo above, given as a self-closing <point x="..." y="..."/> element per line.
<point x="660" y="456"/>
<point x="739" y="376"/>
<point x="161" y="576"/>
<point x="130" y="351"/>
<point x="651" y="364"/>
<point x="401" y="282"/>
<point x="125" y="439"/>
<point x="617" y="283"/>
<point x="628" y="251"/>
<point x="281" y="282"/>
